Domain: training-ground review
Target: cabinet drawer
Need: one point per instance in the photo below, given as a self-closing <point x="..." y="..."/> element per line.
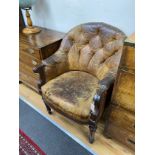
<point x="122" y="135"/>
<point x="29" y="50"/>
<point x="27" y="70"/>
<point x="28" y="80"/>
<point x="128" y="57"/>
<point x="122" y="118"/>
<point x="124" y="91"/>
<point x="28" y="59"/>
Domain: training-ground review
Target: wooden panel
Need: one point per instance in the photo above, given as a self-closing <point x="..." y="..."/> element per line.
<point x="122" y="118"/>
<point x="124" y="91"/>
<point x="122" y="135"/>
<point x="28" y="59"/>
<point x="128" y="57"/>
<point x="42" y="39"/>
<point x="28" y="80"/>
<point x="120" y="122"/>
<point x="29" y="50"/>
<point x="27" y="70"/>
<point x="36" y="47"/>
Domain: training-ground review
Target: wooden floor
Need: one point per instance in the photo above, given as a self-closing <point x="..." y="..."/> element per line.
<point x="102" y="145"/>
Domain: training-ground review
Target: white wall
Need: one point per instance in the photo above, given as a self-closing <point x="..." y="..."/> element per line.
<point x="62" y="15"/>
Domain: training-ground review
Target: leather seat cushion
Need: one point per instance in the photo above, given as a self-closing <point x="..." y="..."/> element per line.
<point x="72" y="93"/>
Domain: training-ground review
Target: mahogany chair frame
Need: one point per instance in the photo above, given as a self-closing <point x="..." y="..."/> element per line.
<point x="99" y="99"/>
<point x="98" y="106"/>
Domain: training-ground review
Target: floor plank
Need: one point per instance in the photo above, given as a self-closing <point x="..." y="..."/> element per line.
<point x="102" y="145"/>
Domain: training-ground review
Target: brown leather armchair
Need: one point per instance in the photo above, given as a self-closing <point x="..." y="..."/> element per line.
<point x="79" y="74"/>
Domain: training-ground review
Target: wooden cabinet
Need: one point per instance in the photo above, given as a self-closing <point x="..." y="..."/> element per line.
<point x="124" y="90"/>
<point x="120" y="118"/>
<point x="33" y="49"/>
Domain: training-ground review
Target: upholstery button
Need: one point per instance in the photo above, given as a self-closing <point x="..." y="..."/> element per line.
<point x="98" y="31"/>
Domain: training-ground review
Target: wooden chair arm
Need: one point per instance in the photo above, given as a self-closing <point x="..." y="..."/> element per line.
<point x="100" y="97"/>
<point x="48" y="69"/>
<point x="107" y="81"/>
<point x="49" y="62"/>
<point x="40" y="70"/>
<point x="55" y="59"/>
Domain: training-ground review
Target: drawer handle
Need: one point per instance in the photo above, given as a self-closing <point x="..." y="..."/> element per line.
<point x="131" y="141"/>
<point x="31" y="51"/>
<point x="34" y="62"/>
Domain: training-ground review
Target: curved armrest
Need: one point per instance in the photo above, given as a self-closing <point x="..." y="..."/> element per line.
<point x="55" y="59"/>
<point x="99" y="99"/>
<point x="51" y="61"/>
<point x="38" y="68"/>
<point x="51" y="67"/>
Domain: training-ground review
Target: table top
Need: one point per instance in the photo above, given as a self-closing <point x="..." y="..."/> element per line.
<point x="131" y="38"/>
<point x="41" y="39"/>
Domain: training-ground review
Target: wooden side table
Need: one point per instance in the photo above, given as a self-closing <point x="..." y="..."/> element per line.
<point x="33" y="49"/>
<point x="120" y="119"/>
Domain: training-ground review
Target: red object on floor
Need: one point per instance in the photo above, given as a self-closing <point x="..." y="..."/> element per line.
<point x="27" y="146"/>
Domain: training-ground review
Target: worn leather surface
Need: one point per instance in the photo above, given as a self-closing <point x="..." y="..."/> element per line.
<point x="72" y="92"/>
<point x="94" y="48"/>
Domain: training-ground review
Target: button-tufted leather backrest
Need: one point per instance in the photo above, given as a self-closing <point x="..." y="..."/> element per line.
<point x="93" y="47"/>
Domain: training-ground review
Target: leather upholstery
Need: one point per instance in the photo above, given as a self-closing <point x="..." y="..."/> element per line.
<point x="72" y="92"/>
<point x="94" y="48"/>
